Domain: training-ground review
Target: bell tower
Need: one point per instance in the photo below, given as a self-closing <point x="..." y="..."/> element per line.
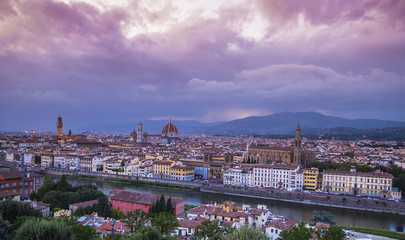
<point x="297" y="138"/>
<point x="139" y="133"/>
<point x="297" y="145"/>
<point x="59" y="125"/>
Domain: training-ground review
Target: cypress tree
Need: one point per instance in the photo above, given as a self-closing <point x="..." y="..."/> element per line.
<point x="162" y="203"/>
<point x="62" y="184"/>
<point x="169" y="207"/>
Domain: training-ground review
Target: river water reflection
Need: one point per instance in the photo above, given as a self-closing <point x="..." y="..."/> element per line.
<point x="291" y="210"/>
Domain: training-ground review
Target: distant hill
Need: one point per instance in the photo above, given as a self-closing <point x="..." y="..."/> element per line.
<point x="286" y="122"/>
<point x="149" y="126"/>
<point x="279" y="123"/>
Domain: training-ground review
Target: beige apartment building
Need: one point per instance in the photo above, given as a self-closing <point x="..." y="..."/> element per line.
<point x="310" y="178"/>
<point x="372" y="184"/>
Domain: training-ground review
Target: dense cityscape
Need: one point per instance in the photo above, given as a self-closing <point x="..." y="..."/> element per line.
<point x="345" y="174"/>
<point x="202" y="120"/>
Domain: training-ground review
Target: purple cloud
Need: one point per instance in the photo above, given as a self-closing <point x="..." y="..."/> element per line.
<point x="142" y="60"/>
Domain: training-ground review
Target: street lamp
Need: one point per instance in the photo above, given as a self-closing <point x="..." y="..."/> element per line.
<point x="112" y="228"/>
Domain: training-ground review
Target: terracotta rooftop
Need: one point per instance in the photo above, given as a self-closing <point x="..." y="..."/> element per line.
<point x="272" y="148"/>
<point x="10" y="174"/>
<point x="361" y="174"/>
<point x="142" y="198"/>
<point x="282" y="224"/>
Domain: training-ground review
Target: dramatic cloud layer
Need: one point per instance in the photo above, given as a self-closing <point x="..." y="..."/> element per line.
<point x="120" y="61"/>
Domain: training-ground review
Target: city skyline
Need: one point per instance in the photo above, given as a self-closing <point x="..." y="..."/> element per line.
<point x="125" y="61"/>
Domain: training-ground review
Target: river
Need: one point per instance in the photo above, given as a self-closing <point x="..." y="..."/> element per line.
<point x="301" y="212"/>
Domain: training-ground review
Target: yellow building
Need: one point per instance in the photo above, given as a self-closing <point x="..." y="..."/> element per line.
<point x="161" y="169"/>
<point x="182" y="173"/>
<point x="372" y="184"/>
<point x="310" y="178"/>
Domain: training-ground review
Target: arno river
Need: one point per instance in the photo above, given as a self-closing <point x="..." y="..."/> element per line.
<point x="291" y="210"/>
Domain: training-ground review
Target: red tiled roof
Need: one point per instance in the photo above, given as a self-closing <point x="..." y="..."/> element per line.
<point x="362" y="174"/>
<point x="136" y="197"/>
<point x="84" y="203"/>
<point x="10" y="174"/>
<point x="282" y="224"/>
<point x="272" y="148"/>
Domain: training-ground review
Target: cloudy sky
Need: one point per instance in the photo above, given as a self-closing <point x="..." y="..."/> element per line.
<point x="99" y="61"/>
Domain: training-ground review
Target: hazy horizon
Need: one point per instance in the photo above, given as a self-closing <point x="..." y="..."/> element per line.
<point x="99" y="61"/>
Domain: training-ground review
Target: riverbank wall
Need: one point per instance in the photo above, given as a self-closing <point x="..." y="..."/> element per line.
<point x="122" y="176"/>
<point x="327" y="200"/>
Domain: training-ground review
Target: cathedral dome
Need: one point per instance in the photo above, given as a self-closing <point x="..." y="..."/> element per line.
<point x="169" y="128"/>
<point x="133" y="135"/>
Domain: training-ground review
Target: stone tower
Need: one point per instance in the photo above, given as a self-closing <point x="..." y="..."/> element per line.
<point x="297" y="145"/>
<point x="59" y="125"/>
<point x="139" y="133"/>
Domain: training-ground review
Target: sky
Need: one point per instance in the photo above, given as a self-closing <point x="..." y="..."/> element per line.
<point x="116" y="61"/>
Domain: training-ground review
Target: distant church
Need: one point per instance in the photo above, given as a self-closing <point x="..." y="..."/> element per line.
<point x="288" y="155"/>
<point x="168" y="135"/>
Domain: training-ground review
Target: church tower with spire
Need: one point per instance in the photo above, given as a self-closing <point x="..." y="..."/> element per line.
<point x="297" y="145"/>
<point x="59" y="126"/>
<point x="139" y="134"/>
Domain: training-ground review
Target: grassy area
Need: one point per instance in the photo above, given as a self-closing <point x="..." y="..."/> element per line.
<point x="380" y="232"/>
<point x="139" y="183"/>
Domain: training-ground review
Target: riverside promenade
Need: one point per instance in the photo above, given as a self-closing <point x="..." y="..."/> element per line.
<point x="320" y="199"/>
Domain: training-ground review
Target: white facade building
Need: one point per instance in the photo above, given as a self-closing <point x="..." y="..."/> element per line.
<point x="59" y="161"/>
<point x="276" y="176"/>
<point x="238" y="176"/>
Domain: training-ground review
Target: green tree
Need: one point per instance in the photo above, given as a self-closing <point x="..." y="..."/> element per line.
<point x="70" y="132"/>
<point x="43" y="229"/>
<point x="299" y="232"/>
<point x="135" y="219"/>
<point x="246" y="233"/>
<point x="56" y="199"/>
<point x="47" y="186"/>
<point x="12" y="209"/>
<point x="395" y="170"/>
<point x="162" y="204"/>
<point x="88" y="194"/>
<point x="169" y="207"/>
<point x="323" y="216"/>
<point x="62" y="185"/>
<point x="209" y="230"/>
<point x="80" y="232"/>
<point x="37" y="159"/>
<point x="399" y="182"/>
<point x="117" y="214"/>
<point x="103" y="207"/>
<point x="147" y="233"/>
<point x="165" y="222"/>
<point x="5" y="229"/>
<point x="333" y="233"/>
<point x="82" y="211"/>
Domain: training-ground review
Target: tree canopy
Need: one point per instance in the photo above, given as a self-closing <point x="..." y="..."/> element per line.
<point x="246" y="233"/>
<point x="43" y="229"/>
<point x="299" y="232"/>
<point x="165" y="222"/>
<point x="323" y="216"/>
<point x="211" y="230"/>
<point x="10" y="210"/>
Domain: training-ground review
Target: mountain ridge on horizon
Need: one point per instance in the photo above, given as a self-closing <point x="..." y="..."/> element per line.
<point x="277" y="123"/>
